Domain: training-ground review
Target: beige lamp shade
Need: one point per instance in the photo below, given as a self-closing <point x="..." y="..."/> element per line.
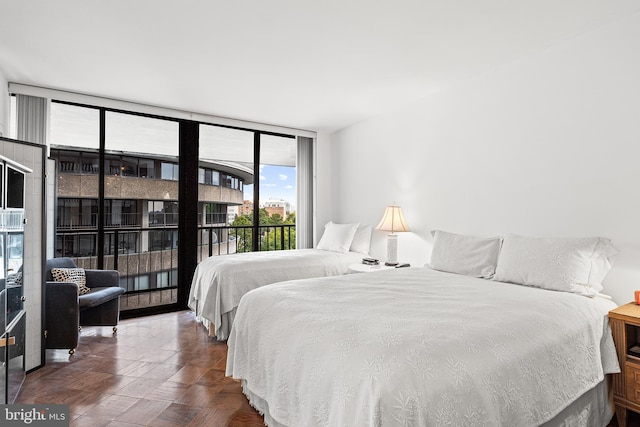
<point x="393" y="220"/>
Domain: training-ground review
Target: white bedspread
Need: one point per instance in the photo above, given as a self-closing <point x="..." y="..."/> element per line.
<point x="417" y="347"/>
<point x="220" y="281"/>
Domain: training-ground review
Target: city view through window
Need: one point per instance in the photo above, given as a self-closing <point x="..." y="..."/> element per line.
<point x="277" y="204"/>
<point x="140" y="198"/>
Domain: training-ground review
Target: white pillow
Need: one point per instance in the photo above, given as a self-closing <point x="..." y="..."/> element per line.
<point x="362" y="240"/>
<point x="337" y="237"/>
<point x="577" y="265"/>
<point x="468" y="255"/>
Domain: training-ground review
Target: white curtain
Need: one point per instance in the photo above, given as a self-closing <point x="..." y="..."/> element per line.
<point x="32" y="118"/>
<point x="305" y="184"/>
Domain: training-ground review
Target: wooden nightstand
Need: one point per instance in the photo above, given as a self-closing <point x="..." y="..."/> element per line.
<point x="625" y="325"/>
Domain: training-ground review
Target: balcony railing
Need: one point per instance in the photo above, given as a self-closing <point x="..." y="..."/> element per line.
<point x="147" y="257"/>
<point x="90" y="220"/>
<point x="213" y="218"/>
<point x="214" y="240"/>
<point x="156" y="219"/>
<point x="159" y="219"/>
<point x="12" y="220"/>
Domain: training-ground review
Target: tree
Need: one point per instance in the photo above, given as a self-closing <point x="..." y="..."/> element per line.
<point x="243" y="235"/>
<point x="265" y="219"/>
<point x="271" y="238"/>
<point x="276" y="219"/>
<point x="291" y="218"/>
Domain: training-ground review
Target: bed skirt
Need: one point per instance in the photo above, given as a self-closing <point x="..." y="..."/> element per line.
<point x="226" y="320"/>
<point x="592" y="409"/>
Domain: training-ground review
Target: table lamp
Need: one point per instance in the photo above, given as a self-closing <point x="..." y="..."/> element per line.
<point x="392" y="221"/>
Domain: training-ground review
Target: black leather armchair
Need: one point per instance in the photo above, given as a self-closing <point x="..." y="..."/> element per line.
<point x="66" y="311"/>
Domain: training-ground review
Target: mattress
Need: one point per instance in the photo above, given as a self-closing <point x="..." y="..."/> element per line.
<point x="419" y="347"/>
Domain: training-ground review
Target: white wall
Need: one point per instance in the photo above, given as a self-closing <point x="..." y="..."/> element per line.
<point x="546" y="145"/>
<point x="4" y="105"/>
<point x="324" y="197"/>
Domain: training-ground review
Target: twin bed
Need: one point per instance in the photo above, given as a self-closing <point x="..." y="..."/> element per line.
<point x="219" y="282"/>
<point x="509" y="332"/>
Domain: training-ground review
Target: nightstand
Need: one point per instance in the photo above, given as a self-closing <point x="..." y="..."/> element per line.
<point x="625" y="326"/>
<point x="365" y="268"/>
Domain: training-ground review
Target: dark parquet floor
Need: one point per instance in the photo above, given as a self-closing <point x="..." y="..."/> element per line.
<point x="159" y="371"/>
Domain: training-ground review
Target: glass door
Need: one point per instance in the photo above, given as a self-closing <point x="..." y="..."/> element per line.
<point x="3" y="322"/>
<point x="13" y="280"/>
<point x="15" y="364"/>
<point x="12" y="318"/>
<point x="277" y="192"/>
<point x="141" y="183"/>
<point x="226" y="182"/>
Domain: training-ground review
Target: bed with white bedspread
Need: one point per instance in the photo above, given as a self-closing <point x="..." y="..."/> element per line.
<point x="419" y="347"/>
<point x="220" y="281"/>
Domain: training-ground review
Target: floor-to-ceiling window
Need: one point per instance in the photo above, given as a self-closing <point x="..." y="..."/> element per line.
<point x="277" y="192"/>
<point x="143" y="243"/>
<point x="127" y="216"/>
<point x="230" y="153"/>
<point x="77" y="129"/>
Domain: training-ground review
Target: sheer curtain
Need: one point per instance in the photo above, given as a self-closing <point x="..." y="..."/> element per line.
<point x="31" y="119"/>
<point x="305" y="177"/>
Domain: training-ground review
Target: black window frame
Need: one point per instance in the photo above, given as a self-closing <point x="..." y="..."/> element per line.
<point x="186" y="173"/>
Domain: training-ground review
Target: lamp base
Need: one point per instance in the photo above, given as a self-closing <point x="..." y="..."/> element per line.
<point x="392" y="249"/>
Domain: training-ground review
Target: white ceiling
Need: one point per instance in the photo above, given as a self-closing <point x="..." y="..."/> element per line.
<point x="317" y="65"/>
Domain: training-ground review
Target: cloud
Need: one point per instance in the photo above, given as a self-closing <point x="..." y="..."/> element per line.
<point x="288" y="187"/>
<point x="262" y="177"/>
<point x="282" y="177"/>
<point x="268" y="185"/>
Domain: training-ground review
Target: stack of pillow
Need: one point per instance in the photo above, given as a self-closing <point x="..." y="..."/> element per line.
<point x="345" y="238"/>
<point x="577" y="265"/>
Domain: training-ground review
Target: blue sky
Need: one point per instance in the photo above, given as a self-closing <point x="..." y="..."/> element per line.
<point x="276" y="182"/>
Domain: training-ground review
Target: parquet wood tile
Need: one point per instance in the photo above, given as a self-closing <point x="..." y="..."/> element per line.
<point x="87" y="421"/>
<point x="158" y="356"/>
<point x="188" y="374"/>
<point x="212" y="417"/>
<point x="137" y="368"/>
<point x="163" y="371"/>
<point x="197" y="395"/>
<point x="140" y="387"/>
<point x="89" y="381"/>
<point x="159" y="370"/>
<point x="169" y="391"/>
<point x="143" y="411"/>
<point x="176" y="415"/>
<point x="109" y="407"/>
<point x="90" y="400"/>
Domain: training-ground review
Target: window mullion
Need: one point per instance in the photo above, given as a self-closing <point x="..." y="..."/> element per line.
<point x="101" y="194"/>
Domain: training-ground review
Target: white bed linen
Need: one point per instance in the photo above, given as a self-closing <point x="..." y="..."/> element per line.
<point x="220" y="281"/>
<point x="417" y="347"/>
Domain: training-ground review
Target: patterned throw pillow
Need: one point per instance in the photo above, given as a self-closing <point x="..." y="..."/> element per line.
<point x="74" y="275"/>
